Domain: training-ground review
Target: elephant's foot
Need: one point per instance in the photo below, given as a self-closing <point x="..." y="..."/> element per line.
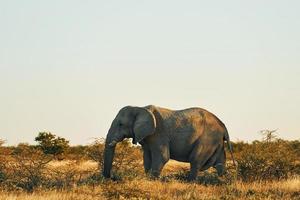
<point x="147" y="171"/>
<point x="154" y="174"/>
<point x="220" y="169"/>
<point x="193" y="173"/>
<point x="191" y="177"/>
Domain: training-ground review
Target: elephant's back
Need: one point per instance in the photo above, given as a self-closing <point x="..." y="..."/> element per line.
<point x="211" y="120"/>
<point x="191" y="118"/>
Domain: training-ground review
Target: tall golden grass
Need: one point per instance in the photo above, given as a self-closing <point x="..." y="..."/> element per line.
<point x="267" y="170"/>
<point x="150" y="189"/>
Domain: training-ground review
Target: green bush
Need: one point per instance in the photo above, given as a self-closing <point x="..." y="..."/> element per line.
<point x="52" y="144"/>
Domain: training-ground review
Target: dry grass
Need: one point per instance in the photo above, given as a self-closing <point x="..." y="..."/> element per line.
<point x="81" y="179"/>
<point x="146" y="189"/>
<point x="174" y="165"/>
<point x="172" y="188"/>
<point x="149" y="189"/>
<point x="85" y="193"/>
<point x="79" y="165"/>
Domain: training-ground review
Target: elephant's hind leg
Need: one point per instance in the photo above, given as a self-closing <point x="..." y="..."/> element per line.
<point x="199" y="157"/>
<point x="219" y="164"/>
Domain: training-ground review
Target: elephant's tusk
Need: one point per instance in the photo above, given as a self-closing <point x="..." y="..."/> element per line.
<point x="113" y="143"/>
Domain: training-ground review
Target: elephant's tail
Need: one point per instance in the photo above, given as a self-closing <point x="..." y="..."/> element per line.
<point x="227" y="139"/>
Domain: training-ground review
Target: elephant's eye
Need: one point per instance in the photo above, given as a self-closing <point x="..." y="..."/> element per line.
<point x="120" y="124"/>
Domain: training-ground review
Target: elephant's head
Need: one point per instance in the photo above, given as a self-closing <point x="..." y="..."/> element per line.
<point x="131" y="122"/>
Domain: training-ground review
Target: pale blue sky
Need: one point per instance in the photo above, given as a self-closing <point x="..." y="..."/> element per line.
<point x="69" y="66"/>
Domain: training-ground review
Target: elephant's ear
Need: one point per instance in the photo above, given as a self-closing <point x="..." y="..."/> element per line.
<point x="144" y="124"/>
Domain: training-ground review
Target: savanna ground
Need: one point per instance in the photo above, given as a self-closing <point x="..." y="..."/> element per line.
<point x="268" y="169"/>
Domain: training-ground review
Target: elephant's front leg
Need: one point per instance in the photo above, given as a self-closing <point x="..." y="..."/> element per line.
<point x="160" y="156"/>
<point x="147" y="159"/>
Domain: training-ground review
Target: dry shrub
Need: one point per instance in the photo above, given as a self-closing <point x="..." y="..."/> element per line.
<point x="26" y="168"/>
<point x="95" y="152"/>
<point x="4" y="159"/>
<point x="77" y="152"/>
<point x="3" y="175"/>
<point x="127" y="160"/>
<point x="68" y="175"/>
<point x="29" y="169"/>
<point x="267" y="160"/>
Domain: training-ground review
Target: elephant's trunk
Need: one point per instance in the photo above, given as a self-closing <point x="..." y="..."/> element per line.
<point x="109" y="152"/>
<point x="108" y="159"/>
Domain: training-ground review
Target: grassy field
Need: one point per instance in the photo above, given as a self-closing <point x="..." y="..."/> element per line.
<point x="266" y="170"/>
<point x="146" y="189"/>
<point x="168" y="187"/>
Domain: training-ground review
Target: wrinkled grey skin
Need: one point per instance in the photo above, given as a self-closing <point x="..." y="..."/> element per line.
<point x="192" y="135"/>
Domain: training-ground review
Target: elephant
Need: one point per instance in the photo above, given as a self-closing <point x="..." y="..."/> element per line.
<point x="192" y="135"/>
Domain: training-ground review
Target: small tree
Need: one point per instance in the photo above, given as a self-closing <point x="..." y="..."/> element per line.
<point x="52" y="144"/>
<point x="269" y="135"/>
